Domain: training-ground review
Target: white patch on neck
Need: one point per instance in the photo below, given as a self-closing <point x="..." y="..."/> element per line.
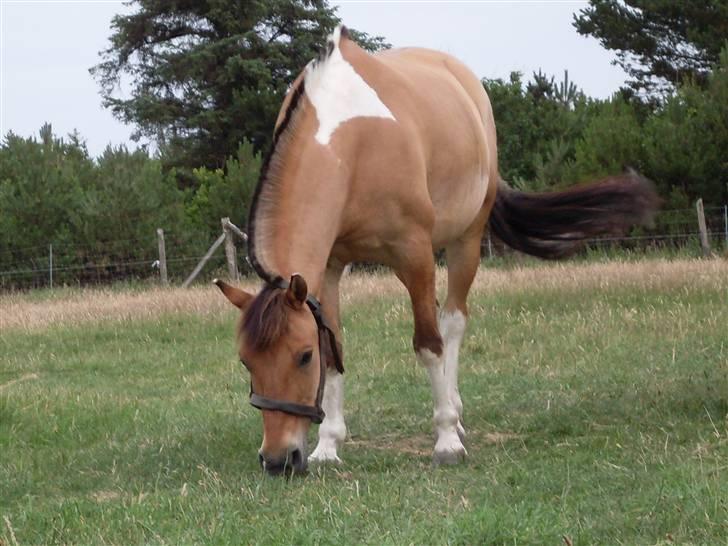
<point x="339" y="94"/>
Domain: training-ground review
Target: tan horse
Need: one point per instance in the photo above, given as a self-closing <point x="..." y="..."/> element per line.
<point x="385" y="158"/>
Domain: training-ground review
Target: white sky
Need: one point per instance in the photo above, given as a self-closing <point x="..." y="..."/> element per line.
<point x="47" y="47"/>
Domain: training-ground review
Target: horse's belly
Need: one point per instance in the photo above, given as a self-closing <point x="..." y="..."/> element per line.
<point x="457" y="204"/>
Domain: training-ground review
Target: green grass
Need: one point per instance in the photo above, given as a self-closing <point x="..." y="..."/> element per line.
<point x="599" y="416"/>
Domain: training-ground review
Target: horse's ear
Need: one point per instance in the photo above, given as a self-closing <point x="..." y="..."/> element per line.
<point x="239" y="298"/>
<point x="297" y="291"/>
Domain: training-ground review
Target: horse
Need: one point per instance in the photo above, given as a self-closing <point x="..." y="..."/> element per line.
<point x="386" y="158"/>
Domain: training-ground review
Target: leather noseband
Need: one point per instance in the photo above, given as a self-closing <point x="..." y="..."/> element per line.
<point x="325" y="334"/>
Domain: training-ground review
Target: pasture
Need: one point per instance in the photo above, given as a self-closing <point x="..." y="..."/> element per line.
<point x="596" y="404"/>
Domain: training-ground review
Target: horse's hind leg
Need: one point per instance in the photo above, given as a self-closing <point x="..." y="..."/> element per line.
<point x="418" y="275"/>
<point x="463" y="258"/>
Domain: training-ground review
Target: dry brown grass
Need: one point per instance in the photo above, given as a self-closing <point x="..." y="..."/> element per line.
<point x="24" y="312"/>
<point x="568" y="276"/>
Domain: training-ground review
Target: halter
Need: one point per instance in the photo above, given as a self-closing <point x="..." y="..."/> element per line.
<point x="316" y="412"/>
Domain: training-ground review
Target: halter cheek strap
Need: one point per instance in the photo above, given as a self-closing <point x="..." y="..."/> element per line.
<point x="325" y="334"/>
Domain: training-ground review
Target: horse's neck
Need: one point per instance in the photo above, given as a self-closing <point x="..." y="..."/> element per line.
<point x="306" y="215"/>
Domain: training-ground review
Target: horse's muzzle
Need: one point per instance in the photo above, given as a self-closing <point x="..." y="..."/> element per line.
<point x="293" y="461"/>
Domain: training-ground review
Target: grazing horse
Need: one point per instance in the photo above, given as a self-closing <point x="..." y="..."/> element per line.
<point x="386" y="158"/>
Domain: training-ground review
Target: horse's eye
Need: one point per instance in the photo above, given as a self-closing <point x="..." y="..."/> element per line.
<point x="305" y="358"/>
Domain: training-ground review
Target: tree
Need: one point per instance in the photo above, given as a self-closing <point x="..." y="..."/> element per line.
<point x="129" y="198"/>
<point x="687" y="138"/>
<point x="537" y="124"/>
<point x="660" y="43"/>
<point x="225" y="192"/>
<point x="611" y="140"/>
<point x="41" y="187"/>
<point x="100" y="215"/>
<point x="205" y="75"/>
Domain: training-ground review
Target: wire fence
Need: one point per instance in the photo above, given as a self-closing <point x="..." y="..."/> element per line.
<point x="106" y="262"/>
<point x="129" y="260"/>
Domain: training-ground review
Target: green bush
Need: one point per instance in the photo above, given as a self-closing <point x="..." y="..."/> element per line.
<point x="686" y="140"/>
<point x="225" y="193"/>
<point x="100" y="216"/>
<point x="610" y="141"/>
<point x="537" y="125"/>
<point x="41" y="187"/>
<point x="130" y="197"/>
<point x="550" y="136"/>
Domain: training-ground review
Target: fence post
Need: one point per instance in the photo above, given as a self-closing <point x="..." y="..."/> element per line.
<point x="490" y="247"/>
<point x="203" y="261"/>
<point x="162" y="257"/>
<point x="703" y="229"/>
<point x="230" y="254"/>
<point x="50" y="264"/>
<point x="236" y="230"/>
<point x="725" y="224"/>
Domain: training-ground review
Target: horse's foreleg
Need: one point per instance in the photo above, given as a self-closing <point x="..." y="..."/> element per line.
<point x="419" y="278"/>
<point x="332" y="431"/>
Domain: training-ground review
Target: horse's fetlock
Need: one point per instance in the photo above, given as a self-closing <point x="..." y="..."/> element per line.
<point x="445" y="418"/>
<point x="431" y="342"/>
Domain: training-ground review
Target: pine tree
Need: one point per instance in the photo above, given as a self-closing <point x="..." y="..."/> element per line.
<point x="660" y="43"/>
<point x="205" y="75"/>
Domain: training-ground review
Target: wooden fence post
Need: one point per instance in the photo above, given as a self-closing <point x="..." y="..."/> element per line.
<point x="162" y="257"/>
<point x="203" y="261"/>
<point x="50" y="264"/>
<point x="230" y="254"/>
<point x="236" y="230"/>
<point x="704" y="242"/>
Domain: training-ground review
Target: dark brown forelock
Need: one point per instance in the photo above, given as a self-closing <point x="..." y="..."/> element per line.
<point x="266" y="319"/>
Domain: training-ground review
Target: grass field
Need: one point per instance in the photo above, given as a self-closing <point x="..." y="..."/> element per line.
<point x="596" y="403"/>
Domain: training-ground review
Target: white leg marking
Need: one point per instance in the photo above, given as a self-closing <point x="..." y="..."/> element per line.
<point x="332" y="430"/>
<point x="452" y="328"/>
<point x="448" y="447"/>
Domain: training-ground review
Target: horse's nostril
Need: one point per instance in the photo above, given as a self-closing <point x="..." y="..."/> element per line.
<point x="296" y="458"/>
<point x="293" y="461"/>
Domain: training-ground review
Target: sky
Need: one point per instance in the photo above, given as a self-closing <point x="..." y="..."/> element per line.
<point x="47" y="47"/>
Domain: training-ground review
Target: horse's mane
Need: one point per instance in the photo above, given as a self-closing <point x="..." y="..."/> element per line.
<point x="261" y="226"/>
<point x="266" y="319"/>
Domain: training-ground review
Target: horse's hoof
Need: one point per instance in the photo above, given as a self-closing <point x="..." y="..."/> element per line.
<point x="449" y="453"/>
<point x="324" y="457"/>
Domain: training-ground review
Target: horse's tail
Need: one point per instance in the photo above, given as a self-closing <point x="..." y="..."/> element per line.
<point x="555" y="225"/>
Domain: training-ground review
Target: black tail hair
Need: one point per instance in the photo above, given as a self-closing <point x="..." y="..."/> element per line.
<point x="555" y="225"/>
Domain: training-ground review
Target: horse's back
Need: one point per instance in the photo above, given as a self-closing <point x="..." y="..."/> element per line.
<point x="446" y="103"/>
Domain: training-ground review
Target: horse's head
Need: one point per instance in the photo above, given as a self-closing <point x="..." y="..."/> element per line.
<point x="279" y="345"/>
